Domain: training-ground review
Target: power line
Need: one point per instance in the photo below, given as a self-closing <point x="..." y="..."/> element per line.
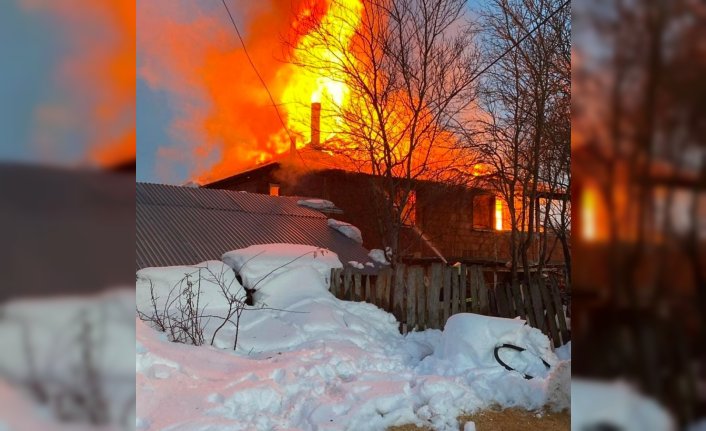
<point x="522" y="39"/>
<point x="252" y="64"/>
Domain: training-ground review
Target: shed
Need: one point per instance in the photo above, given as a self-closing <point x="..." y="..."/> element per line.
<point x="178" y="225"/>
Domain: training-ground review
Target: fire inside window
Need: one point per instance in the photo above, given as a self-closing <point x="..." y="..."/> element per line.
<point x="274" y="189"/>
<point x="498" y="214"/>
<point x="589" y="228"/>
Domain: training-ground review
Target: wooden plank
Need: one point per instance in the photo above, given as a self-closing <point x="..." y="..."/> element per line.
<point x="421" y="281"/>
<point x="455" y="291"/>
<point x="335" y="281"/>
<point x="556" y="298"/>
<point x="446" y="302"/>
<point x="434" y="293"/>
<point x="527" y="303"/>
<point x="347" y="281"/>
<point x="358" y="287"/>
<point x="517" y="298"/>
<point x="512" y="312"/>
<point x="551" y="312"/>
<point x="379" y="286"/>
<point x="411" y="298"/>
<point x="398" y="293"/>
<point x="385" y="290"/>
<point x="475" y="290"/>
<point x="501" y="300"/>
<point x="483" y="303"/>
<point x="463" y="286"/>
<point x="537" y="306"/>
<point x="368" y="290"/>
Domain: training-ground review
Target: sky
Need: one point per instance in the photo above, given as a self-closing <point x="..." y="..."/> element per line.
<point x="27" y="77"/>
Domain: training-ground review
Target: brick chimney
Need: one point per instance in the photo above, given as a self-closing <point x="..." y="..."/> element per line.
<point x="315" y="124"/>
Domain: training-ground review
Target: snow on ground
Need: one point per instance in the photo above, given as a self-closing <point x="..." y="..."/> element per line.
<point x="309" y="361"/>
<point x="615" y="405"/>
<point x="46" y="346"/>
<point x="346" y="229"/>
<point x="260" y="261"/>
<point x="317" y="204"/>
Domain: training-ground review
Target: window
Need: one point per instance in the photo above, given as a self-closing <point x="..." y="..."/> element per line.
<point x="498" y="214"/>
<point x="483" y="212"/>
<point x="274" y="189"/>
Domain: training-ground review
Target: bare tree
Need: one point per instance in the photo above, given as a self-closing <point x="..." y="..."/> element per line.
<point x="525" y="139"/>
<point x="407" y="69"/>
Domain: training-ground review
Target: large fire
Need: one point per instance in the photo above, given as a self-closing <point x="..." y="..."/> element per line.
<point x="305" y="86"/>
<point x="224" y="120"/>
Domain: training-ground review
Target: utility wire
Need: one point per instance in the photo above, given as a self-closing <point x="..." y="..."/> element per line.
<point x="252" y="64"/>
<point x="522" y="39"/>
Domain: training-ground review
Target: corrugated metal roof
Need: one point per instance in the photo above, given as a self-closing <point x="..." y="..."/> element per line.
<point x="184" y="225"/>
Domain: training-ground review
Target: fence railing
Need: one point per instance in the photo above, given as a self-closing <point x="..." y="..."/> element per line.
<point x="423" y="297"/>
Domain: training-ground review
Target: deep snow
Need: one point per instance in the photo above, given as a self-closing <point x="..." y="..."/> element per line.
<point x="308" y="361"/>
<point x="46" y="345"/>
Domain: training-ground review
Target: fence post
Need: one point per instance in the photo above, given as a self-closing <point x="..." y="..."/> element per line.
<point x="537" y="305"/>
<point x="398" y="293"/>
<point x="519" y="302"/>
<point x="422" y="282"/>
<point x="347" y="278"/>
<point x="336" y="281"/>
<point x="501" y="301"/>
<point x="556" y="297"/>
<point x="446" y="303"/>
<point x="551" y="312"/>
<point x="463" y="286"/>
<point x="411" y="298"/>
<point x="358" y="287"/>
<point x="455" y="294"/>
<point x="435" y="282"/>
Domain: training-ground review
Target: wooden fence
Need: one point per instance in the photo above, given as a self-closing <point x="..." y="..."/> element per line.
<point x="424" y="297"/>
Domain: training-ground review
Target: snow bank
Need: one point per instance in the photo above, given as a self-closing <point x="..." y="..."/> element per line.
<point x="467" y="348"/>
<point x="45" y="342"/>
<point x="167" y="283"/>
<point x="258" y="262"/>
<point x="346" y="229"/>
<point x="378" y="256"/>
<point x="469" y="341"/>
<point x="317" y="204"/>
<point x="277" y="292"/>
<point x="313" y="362"/>
<point x="617" y="405"/>
<point x="171" y="287"/>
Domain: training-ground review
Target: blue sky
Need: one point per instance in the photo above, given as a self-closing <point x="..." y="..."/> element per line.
<point x="29" y="49"/>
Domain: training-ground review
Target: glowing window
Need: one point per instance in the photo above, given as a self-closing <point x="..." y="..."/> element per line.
<point x="498" y="214"/>
<point x="274" y="189"/>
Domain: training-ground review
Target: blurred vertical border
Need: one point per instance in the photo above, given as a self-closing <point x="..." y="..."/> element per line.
<point x="639" y="194"/>
<point x="67" y="214"/>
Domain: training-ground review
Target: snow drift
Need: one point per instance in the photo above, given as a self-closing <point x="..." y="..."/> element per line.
<point x="257" y="262"/>
<point x="309" y="361"/>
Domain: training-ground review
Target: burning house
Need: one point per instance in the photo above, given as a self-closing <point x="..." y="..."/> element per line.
<point x="443" y="221"/>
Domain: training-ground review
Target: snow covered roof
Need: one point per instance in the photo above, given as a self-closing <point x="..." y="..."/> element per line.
<point x="184" y="226"/>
